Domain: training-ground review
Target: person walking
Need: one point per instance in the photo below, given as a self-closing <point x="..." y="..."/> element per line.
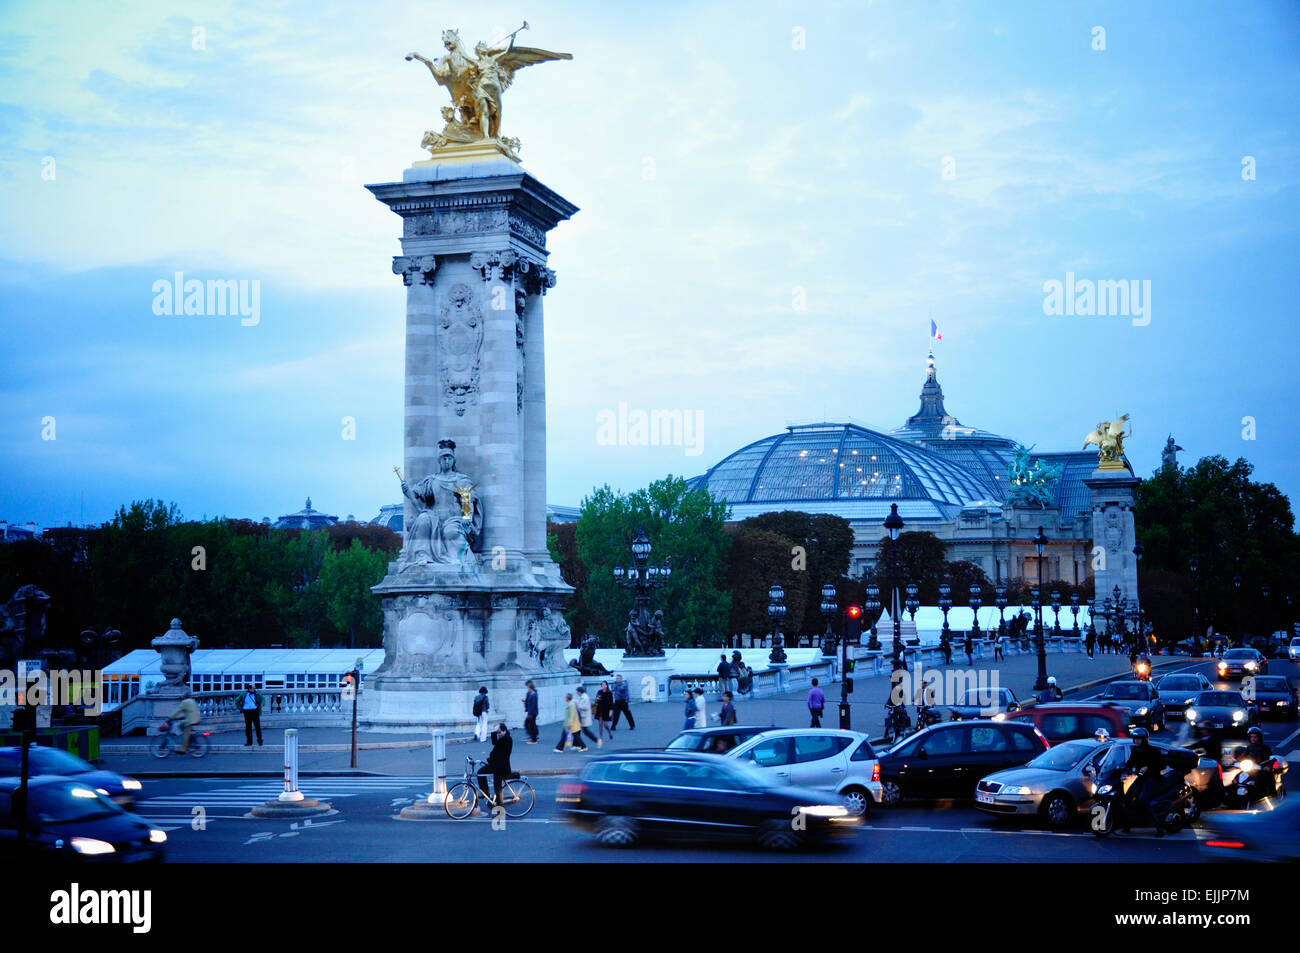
<point x="620" y="705"/>
<point x="604" y="711"/>
<point x="724" y="674"/>
<point x="998" y="654"/>
<point x="480" y="709"/>
<point x="1090" y="641"/>
<point x="701" y="717"/>
<point x="816" y="704"/>
<point x="498" y="763"/>
<point x="744" y="677"/>
<point x="250" y="705"/>
<point x="969" y="646"/>
<point x="946" y="644"/>
<point x="530" y="712"/>
<point x="583" y="701"/>
<point x="570" y="728"/>
<point x="690" y="709"/>
<point x="727" y="714"/>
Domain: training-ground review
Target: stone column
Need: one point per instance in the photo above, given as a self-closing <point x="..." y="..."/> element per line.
<point x="1113" y="531"/>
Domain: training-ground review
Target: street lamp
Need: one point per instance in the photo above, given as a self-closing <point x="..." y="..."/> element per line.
<point x="1056" y="608"/>
<point x="894" y="526"/>
<point x="913" y="603"/>
<point x="1000" y="600"/>
<point x="776" y="612"/>
<point x="1236" y="596"/>
<point x="1137" y="592"/>
<point x="829" y="608"/>
<point x="1074" y="607"/>
<point x="1040" y="543"/>
<point x="1268" y="625"/>
<point x="945" y="603"/>
<point x="641" y="577"/>
<point x="1194" y="566"/>
<point x="976" y="600"/>
<point x="873" y="605"/>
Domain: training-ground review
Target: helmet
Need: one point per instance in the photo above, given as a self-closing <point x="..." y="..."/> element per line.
<point x="1137" y="733"/>
<point x="1051" y="680"/>
<point x="1255" y="730"/>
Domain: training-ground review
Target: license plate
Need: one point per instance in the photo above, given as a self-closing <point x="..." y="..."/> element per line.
<point x="983" y="797"/>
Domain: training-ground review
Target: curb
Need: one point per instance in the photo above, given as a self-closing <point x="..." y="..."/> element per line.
<point x="279" y="749"/>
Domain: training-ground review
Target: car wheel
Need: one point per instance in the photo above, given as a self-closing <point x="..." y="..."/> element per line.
<point x="616" y="831"/>
<point x="891" y="794"/>
<point x="777" y="834"/>
<point x="1057" y="810"/>
<point x="857" y="800"/>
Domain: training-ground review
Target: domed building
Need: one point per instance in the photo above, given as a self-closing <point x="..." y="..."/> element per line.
<point x="948" y="479"/>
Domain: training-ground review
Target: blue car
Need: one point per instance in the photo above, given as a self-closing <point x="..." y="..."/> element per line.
<point x="71" y="821"/>
<point x="120" y="789"/>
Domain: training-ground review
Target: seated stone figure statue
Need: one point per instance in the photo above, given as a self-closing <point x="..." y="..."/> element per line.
<point x="586" y="663"/>
<point x="449" y="517"/>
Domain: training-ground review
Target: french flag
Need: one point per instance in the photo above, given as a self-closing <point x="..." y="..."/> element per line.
<point x="934" y="331"/>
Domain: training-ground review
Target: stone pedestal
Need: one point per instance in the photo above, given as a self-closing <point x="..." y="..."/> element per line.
<point x="647" y="678"/>
<point x="474" y="264"/>
<point x="175" y="646"/>
<point x="1113" y="531"/>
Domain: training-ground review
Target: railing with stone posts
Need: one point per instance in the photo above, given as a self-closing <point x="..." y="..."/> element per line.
<point x="291" y="707"/>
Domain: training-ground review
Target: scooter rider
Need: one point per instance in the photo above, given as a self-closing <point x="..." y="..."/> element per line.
<point x="1147" y="761"/>
<point x="1051" y="693"/>
<point x="1257" y="750"/>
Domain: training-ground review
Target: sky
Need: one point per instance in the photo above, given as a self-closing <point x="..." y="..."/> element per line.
<point x="775" y="199"/>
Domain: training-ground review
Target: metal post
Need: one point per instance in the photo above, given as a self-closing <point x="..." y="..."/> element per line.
<point x="439" y="766"/>
<point x="355" y="693"/>
<point x="291" y="792"/>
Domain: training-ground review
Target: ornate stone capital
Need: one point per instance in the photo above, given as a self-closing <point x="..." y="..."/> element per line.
<point x="415" y="268"/>
<point x="495" y="265"/>
<point x="536" y="278"/>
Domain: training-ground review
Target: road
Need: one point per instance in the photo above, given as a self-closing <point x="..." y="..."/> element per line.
<point x="207" y="820"/>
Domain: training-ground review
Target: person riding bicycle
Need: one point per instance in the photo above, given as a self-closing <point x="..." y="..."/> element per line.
<point x="1147" y="761"/>
<point x="498" y="762"/>
<point x="188" y="713"/>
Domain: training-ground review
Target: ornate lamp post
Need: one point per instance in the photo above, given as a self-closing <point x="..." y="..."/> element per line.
<point x="641" y="577"/>
<point x="976" y="600"/>
<point x="1236" y="598"/>
<point x="1056" y="608"/>
<point x="894" y="525"/>
<point x="829" y="608"/>
<point x="1137" y="595"/>
<point x="1268" y="624"/>
<point x="945" y="603"/>
<point x="1103" y="609"/>
<point x="1040" y="543"/>
<point x="1000" y="600"/>
<point x="776" y="612"/>
<point x="873" y="605"/>
<point x="1074" y="607"/>
<point x="1194" y="567"/>
<point x="912" y="603"/>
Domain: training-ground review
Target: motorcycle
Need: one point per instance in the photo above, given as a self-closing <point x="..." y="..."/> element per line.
<point x="897" y="722"/>
<point x="1247" y="781"/>
<point x="926" y="716"/>
<point x="1115" y="803"/>
<point x="1142" y="671"/>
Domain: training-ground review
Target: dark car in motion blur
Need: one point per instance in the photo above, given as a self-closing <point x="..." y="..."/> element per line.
<point x="984" y="703"/>
<point x="1269" y="832"/>
<point x="1273" y="696"/>
<point x="715" y="740"/>
<point x="627" y="797"/>
<point x="1219" y="709"/>
<point x="121" y="789"/>
<point x="69" y="820"/>
<point x="946" y="761"/>
<point x="1141" y="700"/>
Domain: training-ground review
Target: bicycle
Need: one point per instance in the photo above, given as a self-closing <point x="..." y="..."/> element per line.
<point x="171" y="738"/>
<point x="517" y="795"/>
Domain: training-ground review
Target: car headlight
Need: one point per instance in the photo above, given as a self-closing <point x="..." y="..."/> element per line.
<point x="1000" y="716"/>
<point x="131" y="784"/>
<point x="1189" y="701"/>
<point x="1105" y="789"/>
<point x="1142" y="710"/>
<point x="825" y="810"/>
<point x="88" y="845"/>
<point x="157" y="836"/>
<point x="1252" y="666"/>
<point x="1191" y="714"/>
<point x="1014" y="789"/>
<point x="1238" y="715"/>
<point x="1223" y="666"/>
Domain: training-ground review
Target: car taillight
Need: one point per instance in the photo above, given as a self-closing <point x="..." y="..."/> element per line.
<point x="1224" y="843"/>
<point x="571" y="793"/>
<point x="1042" y="737"/>
<point x="875" y="771"/>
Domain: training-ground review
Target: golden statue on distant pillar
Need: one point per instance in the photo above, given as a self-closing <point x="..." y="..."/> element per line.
<point x="1109" y="438"/>
<point x="475" y="82"/>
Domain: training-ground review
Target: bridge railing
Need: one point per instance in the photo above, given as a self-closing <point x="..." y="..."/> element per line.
<point x="220" y="710"/>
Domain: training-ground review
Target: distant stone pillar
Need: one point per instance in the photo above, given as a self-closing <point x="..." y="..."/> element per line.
<point x="1113" y="530"/>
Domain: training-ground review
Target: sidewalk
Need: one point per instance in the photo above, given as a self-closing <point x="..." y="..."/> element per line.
<point x="328" y="750"/>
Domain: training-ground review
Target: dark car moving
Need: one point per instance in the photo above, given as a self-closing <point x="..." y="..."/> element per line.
<point x="947" y="760"/>
<point x="53" y="761"/>
<point x="69" y="820"/>
<point x="1272" y="694"/>
<point x="624" y="798"/>
<point x="714" y="740"/>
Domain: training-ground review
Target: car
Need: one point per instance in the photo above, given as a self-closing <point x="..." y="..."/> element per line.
<point x="1057" y="785"/>
<point x="1141" y="700"/>
<point x="1218" y="709"/>
<point x="1177" y="691"/>
<point x="70" y="820"/>
<point x="823" y="759"/>
<point x="1293" y="650"/>
<point x="984" y="703"/>
<point x="1270" y="831"/>
<point x="54" y="761"/>
<point x="1238" y="663"/>
<point x="626" y="797"/>
<point x="945" y="760"/>
<point x="1063" y="721"/>
<point x="1272" y="695"/>
<point x="714" y="740"/>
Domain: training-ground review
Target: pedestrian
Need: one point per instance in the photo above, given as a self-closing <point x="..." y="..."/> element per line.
<point x="604" y="710"/>
<point x="690" y="710"/>
<point x="498" y="763"/>
<point x="946" y="644"/>
<point x="250" y="704"/>
<point x="701" y="718"/>
<point x="998" y="654"/>
<point x="583" y="701"/>
<point x="969" y="646"/>
<point x="816" y="704"/>
<point x="744" y="677"/>
<point x="724" y="674"/>
<point x="1090" y="640"/>
<point x="620" y="705"/>
<point x="570" y="728"/>
<point x="481" y="706"/>
<point x="727" y="714"/>
<point x="530" y="712"/>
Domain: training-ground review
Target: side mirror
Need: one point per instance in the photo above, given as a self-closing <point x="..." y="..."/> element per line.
<point x="1090" y="769"/>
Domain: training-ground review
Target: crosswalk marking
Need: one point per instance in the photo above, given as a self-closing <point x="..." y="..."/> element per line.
<point x="252" y="794"/>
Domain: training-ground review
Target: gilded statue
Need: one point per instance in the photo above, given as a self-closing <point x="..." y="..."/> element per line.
<point x="475" y="82"/>
<point x="449" y="517"/>
<point x="1109" y="439"/>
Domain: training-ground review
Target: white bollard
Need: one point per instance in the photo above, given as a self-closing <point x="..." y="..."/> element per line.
<point x="439" y="766"/>
<point x="291" y="792"/>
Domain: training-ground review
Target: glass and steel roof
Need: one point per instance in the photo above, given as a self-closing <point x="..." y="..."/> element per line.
<point x="833" y="461"/>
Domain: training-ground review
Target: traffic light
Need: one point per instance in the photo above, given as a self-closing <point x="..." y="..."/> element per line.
<point x="349" y="685"/>
<point x="853" y="624"/>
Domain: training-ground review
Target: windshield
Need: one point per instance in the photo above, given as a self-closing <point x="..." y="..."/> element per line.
<point x="53" y="761"/>
<point x="1240" y="653"/>
<point x="1179" y="683"/>
<point x="1271" y="685"/>
<point x="688" y="742"/>
<point x="1063" y="757"/>
<point x="1219" y="699"/>
<point x="64" y="803"/>
<point x="984" y="697"/>
<point x="1126" y="691"/>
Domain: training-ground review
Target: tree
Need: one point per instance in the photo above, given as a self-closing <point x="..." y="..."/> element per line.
<point x="820" y="547"/>
<point x="561" y="541"/>
<point x="758" y="558"/>
<point x="344" y="583"/>
<point x="922" y="559"/>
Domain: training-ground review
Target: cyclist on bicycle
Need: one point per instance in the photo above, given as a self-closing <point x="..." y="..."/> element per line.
<point x="498" y="762"/>
<point x="188" y="713"/>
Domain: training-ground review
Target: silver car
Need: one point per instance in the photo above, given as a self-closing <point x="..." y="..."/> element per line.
<point x="1180" y="690"/>
<point x="824" y="759"/>
<point x="1058" y="784"/>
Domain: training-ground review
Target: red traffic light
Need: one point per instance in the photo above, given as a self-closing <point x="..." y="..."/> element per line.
<point x="854" y="611"/>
